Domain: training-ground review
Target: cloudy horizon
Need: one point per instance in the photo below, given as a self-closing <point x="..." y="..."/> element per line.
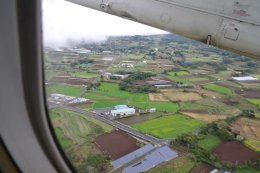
<point x="63" y="21"/>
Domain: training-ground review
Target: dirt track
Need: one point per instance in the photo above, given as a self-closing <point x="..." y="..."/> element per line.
<point x="116" y="144"/>
<point x="235" y="153"/>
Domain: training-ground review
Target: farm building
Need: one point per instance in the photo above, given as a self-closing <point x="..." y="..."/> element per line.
<point x="245" y="78"/>
<point x="122" y="111"/>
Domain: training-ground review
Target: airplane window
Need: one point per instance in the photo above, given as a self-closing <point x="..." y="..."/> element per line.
<point x="125" y="97"/>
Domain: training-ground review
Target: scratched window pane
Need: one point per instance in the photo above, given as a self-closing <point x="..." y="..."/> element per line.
<point x="125" y="97"/>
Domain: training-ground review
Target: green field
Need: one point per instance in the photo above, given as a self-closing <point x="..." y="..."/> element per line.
<point x="169" y="126"/>
<point x="85" y="74"/>
<point x="69" y="90"/>
<point x="211" y="106"/>
<point x="179" y="73"/>
<point x="76" y="128"/>
<point x="254" y="101"/>
<point x="254" y="144"/>
<point x="109" y="94"/>
<point x="209" y="142"/>
<point x="181" y="164"/>
<point x="176" y="76"/>
<point x="257" y="115"/>
<point x="218" y="88"/>
<point x="76" y="133"/>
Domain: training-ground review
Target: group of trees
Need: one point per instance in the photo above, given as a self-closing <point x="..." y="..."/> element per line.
<point x="128" y="84"/>
<point x="81" y="61"/>
<point x="220" y="129"/>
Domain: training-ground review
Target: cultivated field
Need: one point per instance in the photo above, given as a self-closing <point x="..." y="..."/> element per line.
<point x="208" y="106"/>
<point x="114" y="96"/>
<point x="76" y="134"/>
<point x="177" y="95"/>
<point x="229" y="152"/>
<point x="157" y="97"/>
<point x="169" y="126"/>
<point x="250" y="129"/>
<point x="218" y="88"/>
<point x="209" y="118"/>
<point x="205" y="92"/>
<point x="249" y="93"/>
<point x="84" y="74"/>
<point x="116" y="144"/>
<point x="255" y="101"/>
<point x="209" y="142"/>
<point x="64" y="89"/>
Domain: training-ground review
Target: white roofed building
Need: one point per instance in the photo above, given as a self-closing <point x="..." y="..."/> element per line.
<point x="122" y="111"/>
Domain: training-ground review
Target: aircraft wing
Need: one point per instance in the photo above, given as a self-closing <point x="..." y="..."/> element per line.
<point x="229" y="24"/>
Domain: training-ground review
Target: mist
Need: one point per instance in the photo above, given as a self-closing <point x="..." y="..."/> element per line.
<point x="63" y="21"/>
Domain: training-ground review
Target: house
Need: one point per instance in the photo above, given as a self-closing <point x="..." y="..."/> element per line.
<point x="122" y="111"/>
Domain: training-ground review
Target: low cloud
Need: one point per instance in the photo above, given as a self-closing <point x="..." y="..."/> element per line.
<point x="63" y="21"/>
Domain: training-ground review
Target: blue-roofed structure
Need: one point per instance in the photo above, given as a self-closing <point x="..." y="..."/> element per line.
<point x="151" y="160"/>
<point x="133" y="155"/>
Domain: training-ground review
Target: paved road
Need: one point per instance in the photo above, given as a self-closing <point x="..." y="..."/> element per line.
<point x="119" y="125"/>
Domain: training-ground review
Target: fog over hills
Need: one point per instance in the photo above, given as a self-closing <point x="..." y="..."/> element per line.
<point x="64" y="21"/>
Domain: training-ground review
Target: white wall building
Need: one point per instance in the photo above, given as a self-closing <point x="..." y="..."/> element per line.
<point x="122" y="110"/>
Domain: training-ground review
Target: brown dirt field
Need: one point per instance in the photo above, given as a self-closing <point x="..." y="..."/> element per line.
<point x="206" y="93"/>
<point x="235" y="153"/>
<point x="202" y="168"/>
<point x="116" y="144"/>
<point x="248" y="128"/>
<point x="176" y="95"/>
<point x="157" y="97"/>
<point x="230" y="102"/>
<point x="249" y="93"/>
<point x="69" y="80"/>
<point x="205" y="117"/>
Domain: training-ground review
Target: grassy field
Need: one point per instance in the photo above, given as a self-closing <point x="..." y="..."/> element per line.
<point x="179" y="73"/>
<point x="209" y="142"/>
<point x="210" y="106"/>
<point x="257" y="115"/>
<point x="169" y="126"/>
<point x="160" y="106"/>
<point x="218" y="88"/>
<point x="109" y="94"/>
<point x="85" y="74"/>
<point x="181" y="164"/>
<point x="254" y="101"/>
<point x="76" y="134"/>
<point x="254" y="144"/>
<point x="64" y="89"/>
<point x="176" y="76"/>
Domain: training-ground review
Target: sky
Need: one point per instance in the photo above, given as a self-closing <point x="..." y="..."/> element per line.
<point x="64" y="21"/>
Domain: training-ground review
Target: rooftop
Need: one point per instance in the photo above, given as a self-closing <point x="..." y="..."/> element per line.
<point x="119" y="107"/>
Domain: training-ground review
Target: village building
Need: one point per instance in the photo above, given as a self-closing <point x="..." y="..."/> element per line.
<point x="122" y="111"/>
